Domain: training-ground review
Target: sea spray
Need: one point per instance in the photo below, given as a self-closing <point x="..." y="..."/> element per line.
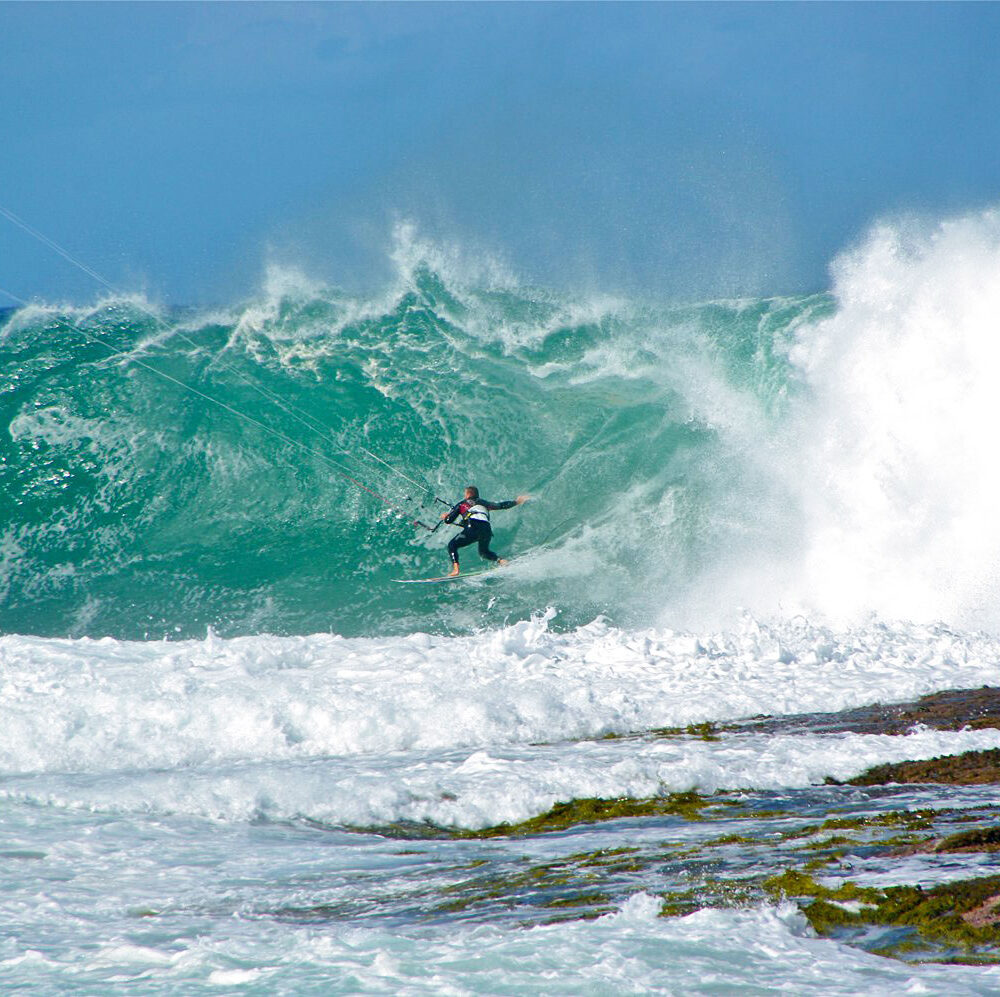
<point x="896" y="433"/>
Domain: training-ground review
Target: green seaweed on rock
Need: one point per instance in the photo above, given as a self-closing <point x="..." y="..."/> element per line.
<point x="959" y="919"/>
<point x="590" y="811"/>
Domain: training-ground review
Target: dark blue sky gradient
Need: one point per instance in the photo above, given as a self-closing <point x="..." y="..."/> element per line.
<point x="677" y="150"/>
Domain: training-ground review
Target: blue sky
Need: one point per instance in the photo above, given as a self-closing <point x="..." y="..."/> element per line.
<point x="674" y="150"/>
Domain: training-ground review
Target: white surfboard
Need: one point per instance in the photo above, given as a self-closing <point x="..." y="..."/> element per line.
<point x="445" y="578"/>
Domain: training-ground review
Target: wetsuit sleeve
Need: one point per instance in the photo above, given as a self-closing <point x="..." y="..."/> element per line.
<point x="493" y="506"/>
<point x="456" y="511"/>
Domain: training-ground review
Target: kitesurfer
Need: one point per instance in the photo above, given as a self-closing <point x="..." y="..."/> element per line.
<point x="473" y="514"/>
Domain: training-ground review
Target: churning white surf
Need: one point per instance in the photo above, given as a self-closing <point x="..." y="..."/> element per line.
<point x="631" y="951"/>
<point x="897" y="472"/>
<point x="484" y="788"/>
<point x="465" y="731"/>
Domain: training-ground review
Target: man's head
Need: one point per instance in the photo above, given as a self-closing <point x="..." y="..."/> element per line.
<point x="472" y="492"/>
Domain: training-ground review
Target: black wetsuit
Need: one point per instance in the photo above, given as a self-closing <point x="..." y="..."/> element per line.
<point x="475" y="516"/>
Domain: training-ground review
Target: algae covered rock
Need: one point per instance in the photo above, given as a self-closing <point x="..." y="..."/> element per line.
<point x="968" y="769"/>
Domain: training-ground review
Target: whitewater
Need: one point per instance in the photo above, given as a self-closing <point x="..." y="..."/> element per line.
<point x="235" y="757"/>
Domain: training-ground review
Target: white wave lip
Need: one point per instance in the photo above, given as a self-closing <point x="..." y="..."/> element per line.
<point x="96" y="706"/>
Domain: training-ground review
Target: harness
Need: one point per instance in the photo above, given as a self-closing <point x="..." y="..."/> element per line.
<point x="474" y="512"/>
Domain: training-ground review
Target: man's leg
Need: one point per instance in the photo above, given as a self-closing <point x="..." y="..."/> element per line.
<point x="485" y="535"/>
<point x="462" y="540"/>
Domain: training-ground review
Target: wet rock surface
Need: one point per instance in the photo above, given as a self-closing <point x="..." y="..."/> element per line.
<point x="950" y="710"/>
<point x="972" y="768"/>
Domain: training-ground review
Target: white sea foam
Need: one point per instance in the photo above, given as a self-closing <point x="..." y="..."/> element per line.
<point x="484" y="788"/>
<point x="57" y="426"/>
<point x="107" y="705"/>
<point x="898" y="438"/>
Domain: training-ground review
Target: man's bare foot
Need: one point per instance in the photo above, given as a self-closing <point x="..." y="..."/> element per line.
<point x="501" y="561"/>
<point x="454" y="571"/>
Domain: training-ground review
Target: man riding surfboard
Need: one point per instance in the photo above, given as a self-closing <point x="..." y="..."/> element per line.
<point x="473" y="514"/>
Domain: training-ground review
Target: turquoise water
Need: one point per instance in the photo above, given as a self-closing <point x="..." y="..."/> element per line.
<point x="138" y="506"/>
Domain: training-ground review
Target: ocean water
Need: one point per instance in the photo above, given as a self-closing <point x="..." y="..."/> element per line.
<point x="235" y="756"/>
